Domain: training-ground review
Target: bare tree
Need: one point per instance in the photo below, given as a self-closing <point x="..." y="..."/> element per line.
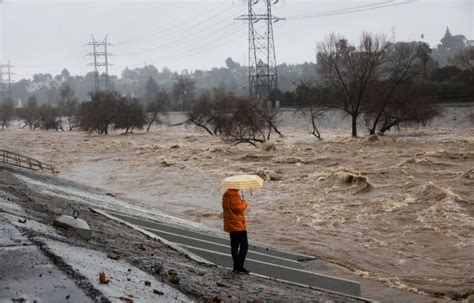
<point x="349" y="70"/>
<point x="247" y="124"/>
<point x="159" y="105"/>
<point x="237" y="119"/>
<point x="464" y="60"/>
<point x="402" y="66"/>
<point x="311" y="105"/>
<point x="213" y="110"/>
<point x="410" y="105"/>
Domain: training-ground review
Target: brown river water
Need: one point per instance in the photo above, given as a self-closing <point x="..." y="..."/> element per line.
<point x="399" y="210"/>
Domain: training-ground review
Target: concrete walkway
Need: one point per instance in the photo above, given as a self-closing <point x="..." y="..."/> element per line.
<point x="27" y="275"/>
<point x="260" y="260"/>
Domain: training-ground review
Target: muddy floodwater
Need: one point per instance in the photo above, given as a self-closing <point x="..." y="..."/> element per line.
<point x="398" y="210"/>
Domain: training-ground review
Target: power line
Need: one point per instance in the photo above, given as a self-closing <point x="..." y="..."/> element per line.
<point x="350" y="10"/>
<point x="174" y="40"/>
<point x="171" y="28"/>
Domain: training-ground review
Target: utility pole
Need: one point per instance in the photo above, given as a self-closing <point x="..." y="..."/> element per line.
<point x="263" y="77"/>
<point x="99" y="49"/>
<point x="8" y="81"/>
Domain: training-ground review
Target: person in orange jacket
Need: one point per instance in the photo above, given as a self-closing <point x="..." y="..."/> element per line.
<point x="234" y="223"/>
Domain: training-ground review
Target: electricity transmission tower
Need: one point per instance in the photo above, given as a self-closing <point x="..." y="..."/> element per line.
<point x="263" y="77"/>
<point x="6" y="84"/>
<point x="99" y="50"/>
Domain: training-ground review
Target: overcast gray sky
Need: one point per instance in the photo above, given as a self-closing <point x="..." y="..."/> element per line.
<point x="48" y="35"/>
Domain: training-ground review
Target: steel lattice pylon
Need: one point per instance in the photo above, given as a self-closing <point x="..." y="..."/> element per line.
<point x="98" y="64"/>
<point x="263" y="77"/>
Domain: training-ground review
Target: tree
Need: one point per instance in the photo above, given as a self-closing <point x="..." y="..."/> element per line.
<point x="48" y="118"/>
<point x="452" y="43"/>
<point x="7" y="111"/>
<point x="402" y="65"/>
<point x="68" y="106"/>
<point x="311" y="104"/>
<point x="213" y="110"/>
<point x="183" y="91"/>
<point x="151" y="90"/>
<point x="350" y="70"/>
<point x="237" y="119"/>
<point x="464" y="61"/>
<point x="29" y="113"/>
<point x="98" y="113"/>
<point x="420" y="108"/>
<point x="231" y="64"/>
<point x="159" y="105"/>
<point x="130" y="114"/>
<point x="247" y="124"/>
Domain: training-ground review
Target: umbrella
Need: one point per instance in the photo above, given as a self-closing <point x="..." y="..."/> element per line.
<point x="242" y="182"/>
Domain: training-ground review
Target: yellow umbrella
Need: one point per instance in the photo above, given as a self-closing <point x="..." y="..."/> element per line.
<point x="242" y="182"/>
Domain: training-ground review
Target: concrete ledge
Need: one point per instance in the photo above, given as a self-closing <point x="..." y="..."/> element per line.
<point x="187" y="253"/>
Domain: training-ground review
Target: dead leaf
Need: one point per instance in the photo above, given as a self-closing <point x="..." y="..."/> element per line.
<point x="158" y="292"/>
<point x="22" y="220"/>
<point x="113" y="257"/>
<point x="125" y="299"/>
<point x="102" y="278"/>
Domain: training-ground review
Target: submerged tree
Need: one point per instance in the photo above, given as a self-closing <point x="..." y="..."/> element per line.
<point x="130" y="115"/>
<point x="68" y="106"/>
<point x="311" y="104"/>
<point x="402" y="67"/>
<point x="7" y="111"/>
<point x="237" y="119"/>
<point x="184" y="90"/>
<point x="29" y="113"/>
<point x="159" y="105"/>
<point x="351" y="70"/>
<point x="98" y="113"/>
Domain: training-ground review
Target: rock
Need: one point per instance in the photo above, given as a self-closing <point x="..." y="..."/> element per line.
<point x="147" y="283"/>
<point x="158" y="292"/>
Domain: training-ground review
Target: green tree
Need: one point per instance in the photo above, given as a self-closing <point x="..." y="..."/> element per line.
<point x="7" y="111"/>
<point x="151" y="90"/>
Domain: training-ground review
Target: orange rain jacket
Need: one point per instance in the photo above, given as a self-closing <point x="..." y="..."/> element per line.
<point x="234" y="207"/>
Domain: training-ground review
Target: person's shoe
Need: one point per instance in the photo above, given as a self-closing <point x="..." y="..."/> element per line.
<point x="241" y="271"/>
<point x="245" y="271"/>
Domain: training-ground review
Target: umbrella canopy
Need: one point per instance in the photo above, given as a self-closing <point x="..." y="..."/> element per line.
<point x="242" y="182"/>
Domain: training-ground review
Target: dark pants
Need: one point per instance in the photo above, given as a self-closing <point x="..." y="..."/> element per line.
<point x="239" y="247"/>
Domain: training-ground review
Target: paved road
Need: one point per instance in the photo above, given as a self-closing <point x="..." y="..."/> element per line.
<point x="260" y="260"/>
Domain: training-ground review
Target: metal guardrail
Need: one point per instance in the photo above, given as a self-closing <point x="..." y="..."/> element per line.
<point x="24" y="161"/>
